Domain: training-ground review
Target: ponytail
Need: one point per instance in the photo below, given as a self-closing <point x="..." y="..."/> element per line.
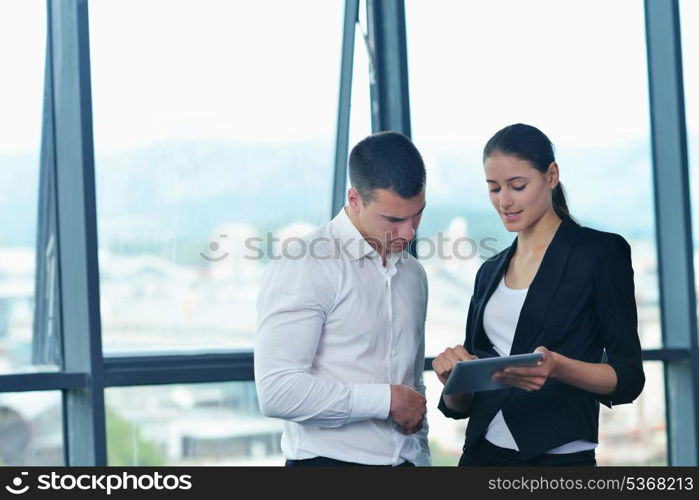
<point x="560" y="205"/>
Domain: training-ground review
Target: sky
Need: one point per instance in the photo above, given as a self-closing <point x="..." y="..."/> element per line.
<point x="576" y="70"/>
<point x="221" y="70"/>
<point x="22" y="52"/>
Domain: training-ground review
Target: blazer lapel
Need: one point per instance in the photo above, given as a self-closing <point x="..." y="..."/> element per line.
<point x="543" y="287"/>
<point x="481" y="340"/>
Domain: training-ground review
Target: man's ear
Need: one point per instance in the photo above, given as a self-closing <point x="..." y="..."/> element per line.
<point x="552" y="174"/>
<point x="354" y="199"/>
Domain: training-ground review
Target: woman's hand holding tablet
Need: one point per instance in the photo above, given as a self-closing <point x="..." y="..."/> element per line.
<point x="474" y="375"/>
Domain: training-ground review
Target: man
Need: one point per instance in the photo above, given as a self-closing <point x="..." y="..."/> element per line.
<point x="339" y="351"/>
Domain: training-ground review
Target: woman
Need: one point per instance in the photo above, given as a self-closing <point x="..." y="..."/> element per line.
<point x="560" y="289"/>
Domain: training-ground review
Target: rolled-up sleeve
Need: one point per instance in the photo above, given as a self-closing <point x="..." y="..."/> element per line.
<point x="294" y="298"/>
<point x="618" y="321"/>
<point x="450" y="413"/>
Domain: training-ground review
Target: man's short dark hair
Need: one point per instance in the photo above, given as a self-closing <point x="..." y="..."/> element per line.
<point x="386" y="160"/>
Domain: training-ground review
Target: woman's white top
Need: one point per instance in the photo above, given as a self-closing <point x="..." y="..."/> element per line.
<point x="500" y="322"/>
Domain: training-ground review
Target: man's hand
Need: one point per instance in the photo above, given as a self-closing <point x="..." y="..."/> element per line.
<point x="445" y="362"/>
<point x="408" y="408"/>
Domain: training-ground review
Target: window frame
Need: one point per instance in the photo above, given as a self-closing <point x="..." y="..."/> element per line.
<point x="68" y="155"/>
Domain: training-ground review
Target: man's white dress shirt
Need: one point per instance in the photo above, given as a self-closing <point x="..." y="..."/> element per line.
<point x="335" y="329"/>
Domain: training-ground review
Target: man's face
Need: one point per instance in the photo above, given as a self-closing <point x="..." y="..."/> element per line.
<point x="388" y="221"/>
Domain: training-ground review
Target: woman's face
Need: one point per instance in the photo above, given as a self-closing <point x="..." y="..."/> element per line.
<point x="520" y="193"/>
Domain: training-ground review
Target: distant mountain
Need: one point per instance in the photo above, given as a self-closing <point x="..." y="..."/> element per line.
<point x="187" y="190"/>
<point x="181" y="192"/>
<point x="607" y="189"/>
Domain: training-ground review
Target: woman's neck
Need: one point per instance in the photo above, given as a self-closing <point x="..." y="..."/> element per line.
<point x="538" y="235"/>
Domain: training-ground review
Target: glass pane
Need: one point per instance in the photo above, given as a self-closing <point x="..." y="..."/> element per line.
<point x="22" y="57"/>
<point x="582" y="80"/>
<point x="689" y="17"/>
<point x="446" y="435"/>
<point x="31" y="428"/>
<point x="630" y="434"/>
<point x="212" y="139"/>
<point x="636" y="434"/>
<point x="197" y="424"/>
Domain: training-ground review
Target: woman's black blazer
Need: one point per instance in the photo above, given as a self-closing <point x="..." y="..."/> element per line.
<point x="580" y="304"/>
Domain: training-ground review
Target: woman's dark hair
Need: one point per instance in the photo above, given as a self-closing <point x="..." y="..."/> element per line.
<point x="530" y="144"/>
<point x="386" y="160"/>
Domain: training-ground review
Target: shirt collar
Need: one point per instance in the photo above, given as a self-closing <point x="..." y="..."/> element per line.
<point x="350" y="239"/>
<point x="358" y="246"/>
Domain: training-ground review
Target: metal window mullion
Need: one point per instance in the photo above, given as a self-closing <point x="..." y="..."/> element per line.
<point x="388" y="60"/>
<point x="344" y="106"/>
<point x="178" y="369"/>
<point x="390" y="102"/>
<point x="46" y="338"/>
<point x="84" y="415"/>
<point x="42" y="381"/>
<point x="673" y="227"/>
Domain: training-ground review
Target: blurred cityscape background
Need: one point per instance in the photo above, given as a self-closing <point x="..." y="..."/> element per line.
<point x="209" y="136"/>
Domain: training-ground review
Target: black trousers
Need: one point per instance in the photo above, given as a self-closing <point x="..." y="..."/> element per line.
<point x="331" y="462"/>
<point x="487" y="454"/>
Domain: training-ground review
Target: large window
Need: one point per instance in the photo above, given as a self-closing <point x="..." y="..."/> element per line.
<point x="214" y="129"/>
<point x="578" y="76"/>
<point x="22" y="56"/>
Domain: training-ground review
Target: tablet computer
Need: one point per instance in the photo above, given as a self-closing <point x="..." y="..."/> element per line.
<point x="475" y="375"/>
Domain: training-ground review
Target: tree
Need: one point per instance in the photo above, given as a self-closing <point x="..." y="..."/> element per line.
<point x="126" y="446"/>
